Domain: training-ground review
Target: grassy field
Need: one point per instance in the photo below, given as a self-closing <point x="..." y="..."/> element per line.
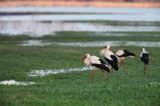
<point x="127" y="87"/>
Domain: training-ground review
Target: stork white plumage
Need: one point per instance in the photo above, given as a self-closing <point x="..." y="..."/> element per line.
<point x="122" y="54"/>
<point x="95" y="61"/>
<point x="144" y="56"/>
<point x="110" y="57"/>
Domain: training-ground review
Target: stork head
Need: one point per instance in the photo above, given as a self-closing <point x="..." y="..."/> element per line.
<point x="88" y="55"/>
<point x="107" y="46"/>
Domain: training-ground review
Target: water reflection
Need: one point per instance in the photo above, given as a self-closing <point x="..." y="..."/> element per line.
<point x="43" y="73"/>
<point x="113" y="43"/>
<point x="82" y="10"/>
<point x="13" y="82"/>
<point x="43" y="28"/>
<point x="66" y="13"/>
<point x="82" y="17"/>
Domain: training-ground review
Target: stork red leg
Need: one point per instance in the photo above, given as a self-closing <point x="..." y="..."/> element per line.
<point x="102" y="74"/>
<point x="80" y="74"/>
<point x="145" y="68"/>
<point x="121" y="63"/>
<point x="108" y="65"/>
<point x="92" y="74"/>
<point x="112" y="71"/>
<point x="109" y="74"/>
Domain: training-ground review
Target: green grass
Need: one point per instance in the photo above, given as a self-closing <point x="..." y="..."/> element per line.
<point x="109" y="22"/>
<point x="121" y="23"/>
<point x="127" y="87"/>
<point x="92" y="36"/>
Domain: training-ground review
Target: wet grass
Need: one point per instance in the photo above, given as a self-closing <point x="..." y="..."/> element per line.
<point x="127" y="87"/>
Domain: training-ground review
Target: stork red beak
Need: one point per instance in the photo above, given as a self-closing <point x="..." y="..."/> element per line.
<point x="83" y="58"/>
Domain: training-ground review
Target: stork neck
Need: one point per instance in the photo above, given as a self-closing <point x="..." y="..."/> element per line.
<point x="143" y="50"/>
<point x="108" y="47"/>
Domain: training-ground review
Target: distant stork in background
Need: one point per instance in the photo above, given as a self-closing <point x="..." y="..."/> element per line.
<point x="144" y="56"/>
<point x="95" y="61"/>
<point x="122" y="54"/>
<point x="110" y="57"/>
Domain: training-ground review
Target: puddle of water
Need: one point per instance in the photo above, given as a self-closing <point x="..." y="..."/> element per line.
<point x="121" y="34"/>
<point x="113" y="43"/>
<point x="38" y="29"/>
<point x="82" y="10"/>
<point x="92" y="44"/>
<point x="129" y="14"/>
<point x="13" y="82"/>
<point x="154" y="84"/>
<point x="82" y="17"/>
<point x="143" y="44"/>
<point x="34" y="43"/>
<point x="42" y="73"/>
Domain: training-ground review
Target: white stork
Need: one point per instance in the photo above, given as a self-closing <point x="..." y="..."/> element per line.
<point x="144" y="56"/>
<point x="110" y="57"/>
<point x="95" y="61"/>
<point x="122" y="54"/>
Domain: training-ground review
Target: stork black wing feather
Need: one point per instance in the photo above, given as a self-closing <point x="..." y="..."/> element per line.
<point x="114" y="58"/>
<point x="127" y="53"/>
<point x="102" y="61"/>
<point x="145" y="58"/>
<point x="102" y="66"/>
<point x="113" y="62"/>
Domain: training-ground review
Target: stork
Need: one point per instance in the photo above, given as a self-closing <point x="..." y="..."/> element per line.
<point x="110" y="57"/>
<point x="122" y="54"/>
<point x="95" y="61"/>
<point x="144" y="56"/>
